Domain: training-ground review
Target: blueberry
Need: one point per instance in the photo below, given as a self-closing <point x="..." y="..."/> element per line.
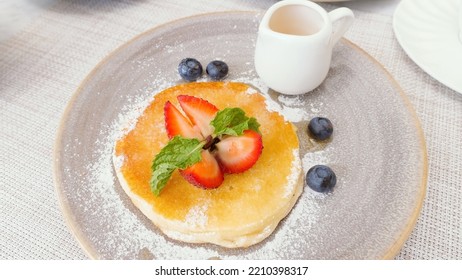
<point x="321" y="178"/>
<point x="217" y="69"/>
<point x="320" y="128"/>
<point x="190" y="69"/>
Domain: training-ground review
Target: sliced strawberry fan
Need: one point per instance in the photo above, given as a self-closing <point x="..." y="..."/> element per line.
<point x="230" y="154"/>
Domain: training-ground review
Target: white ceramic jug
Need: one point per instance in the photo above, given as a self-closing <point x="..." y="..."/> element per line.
<point x="294" y="45"/>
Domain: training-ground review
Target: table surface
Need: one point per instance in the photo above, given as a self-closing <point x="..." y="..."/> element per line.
<point x="47" y="47"/>
<point x="17" y="14"/>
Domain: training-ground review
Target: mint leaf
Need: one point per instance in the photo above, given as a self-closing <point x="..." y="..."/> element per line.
<point x="254" y="125"/>
<point x="233" y="121"/>
<point x="160" y="176"/>
<point x="178" y="153"/>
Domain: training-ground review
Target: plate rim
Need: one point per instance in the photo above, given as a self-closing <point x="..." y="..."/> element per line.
<point x="396" y="247"/>
<point x="66" y="210"/>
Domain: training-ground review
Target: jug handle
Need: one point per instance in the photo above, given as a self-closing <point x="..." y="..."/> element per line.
<point x="341" y="19"/>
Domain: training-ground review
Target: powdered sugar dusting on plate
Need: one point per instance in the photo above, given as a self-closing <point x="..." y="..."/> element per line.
<point x="314" y="158"/>
<point x="149" y="239"/>
<point x="291" y="111"/>
<point x="293" y="178"/>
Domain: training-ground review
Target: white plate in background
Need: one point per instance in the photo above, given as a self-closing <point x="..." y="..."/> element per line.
<point x="428" y="31"/>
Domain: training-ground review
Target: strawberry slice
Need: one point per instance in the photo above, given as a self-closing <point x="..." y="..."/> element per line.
<point x="177" y="124"/>
<point x="206" y="173"/>
<point x="238" y="153"/>
<point x="199" y="111"/>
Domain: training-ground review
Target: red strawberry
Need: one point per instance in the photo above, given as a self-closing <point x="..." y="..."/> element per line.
<point x="199" y="111"/>
<point x="238" y="153"/>
<point x="206" y="173"/>
<point x="233" y="154"/>
<point x="177" y="124"/>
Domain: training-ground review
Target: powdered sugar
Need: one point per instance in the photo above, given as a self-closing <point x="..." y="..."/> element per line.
<point x="290" y="110"/>
<point x="128" y="231"/>
<point x="314" y="158"/>
<point x="292" y="179"/>
<point x="196" y="216"/>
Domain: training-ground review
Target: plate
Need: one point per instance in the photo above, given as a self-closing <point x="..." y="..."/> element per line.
<point x="428" y="31"/>
<point x="377" y="149"/>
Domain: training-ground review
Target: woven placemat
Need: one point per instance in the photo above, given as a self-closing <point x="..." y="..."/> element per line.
<point x="42" y="66"/>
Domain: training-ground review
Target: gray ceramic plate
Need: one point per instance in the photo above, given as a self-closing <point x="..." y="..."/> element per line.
<point x="377" y="149"/>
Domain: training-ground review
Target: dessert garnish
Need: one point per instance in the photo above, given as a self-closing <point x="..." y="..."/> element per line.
<point x="320" y="128"/>
<point x="217" y="70"/>
<point x="205" y="144"/>
<point x="321" y="178"/>
<point x="190" y="69"/>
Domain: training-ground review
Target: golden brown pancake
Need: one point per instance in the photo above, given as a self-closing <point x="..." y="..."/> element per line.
<point x="247" y="207"/>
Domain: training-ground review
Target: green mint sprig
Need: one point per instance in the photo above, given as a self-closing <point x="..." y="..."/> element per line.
<point x="233" y="121"/>
<point x="181" y="153"/>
